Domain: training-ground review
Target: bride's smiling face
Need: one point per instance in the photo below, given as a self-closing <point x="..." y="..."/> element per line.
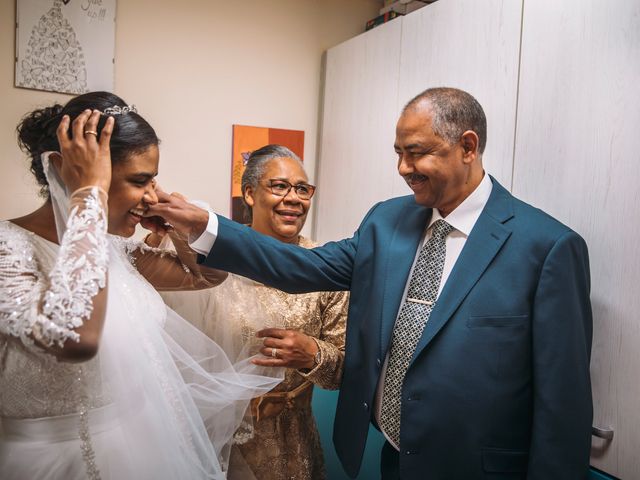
<point x="132" y="190"/>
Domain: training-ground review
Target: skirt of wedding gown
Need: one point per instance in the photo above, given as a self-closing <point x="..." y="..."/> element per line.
<point x="49" y="449"/>
<point x="174" y="400"/>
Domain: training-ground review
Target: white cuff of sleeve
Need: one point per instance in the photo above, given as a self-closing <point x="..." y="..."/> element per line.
<point x="205" y="241"/>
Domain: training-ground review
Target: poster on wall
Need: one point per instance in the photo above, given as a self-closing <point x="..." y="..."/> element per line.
<point x="65" y="46"/>
<point x="246" y="139"/>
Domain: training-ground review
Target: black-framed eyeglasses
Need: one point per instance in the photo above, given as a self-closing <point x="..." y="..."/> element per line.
<point x="281" y="188"/>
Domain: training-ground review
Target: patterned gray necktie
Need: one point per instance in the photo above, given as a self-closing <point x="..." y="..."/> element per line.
<point x="414" y="313"/>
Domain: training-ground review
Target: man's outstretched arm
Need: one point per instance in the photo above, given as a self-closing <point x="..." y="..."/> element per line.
<point x="241" y="250"/>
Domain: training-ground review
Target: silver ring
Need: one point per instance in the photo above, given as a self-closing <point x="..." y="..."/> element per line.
<point x="274" y="352"/>
<point x="90" y="132"/>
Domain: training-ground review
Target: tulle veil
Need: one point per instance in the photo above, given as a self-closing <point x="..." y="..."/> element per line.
<point x="176" y="397"/>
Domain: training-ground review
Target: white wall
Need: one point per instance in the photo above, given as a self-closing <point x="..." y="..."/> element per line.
<point x="194" y="68"/>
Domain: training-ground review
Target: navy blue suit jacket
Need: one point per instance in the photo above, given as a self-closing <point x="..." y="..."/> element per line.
<point x="499" y="384"/>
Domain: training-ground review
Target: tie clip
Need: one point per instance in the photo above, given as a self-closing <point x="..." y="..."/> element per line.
<point x="423" y="302"/>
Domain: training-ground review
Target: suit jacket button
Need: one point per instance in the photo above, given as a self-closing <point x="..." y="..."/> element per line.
<point x="365" y="405"/>
<point x="378" y="362"/>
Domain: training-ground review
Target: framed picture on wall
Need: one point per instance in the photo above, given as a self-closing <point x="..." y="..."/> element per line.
<point x="246" y="139"/>
<point x="65" y="46"/>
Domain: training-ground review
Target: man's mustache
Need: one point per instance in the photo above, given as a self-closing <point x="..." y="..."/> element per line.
<point x="414" y="178"/>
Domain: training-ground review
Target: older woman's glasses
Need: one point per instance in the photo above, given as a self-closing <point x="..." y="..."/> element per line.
<point x="281" y="188"/>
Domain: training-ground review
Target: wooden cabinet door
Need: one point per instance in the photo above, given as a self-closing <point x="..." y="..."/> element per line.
<point x="577" y="156"/>
<point x="368" y="79"/>
<point x="357" y="158"/>
<point x="472" y="45"/>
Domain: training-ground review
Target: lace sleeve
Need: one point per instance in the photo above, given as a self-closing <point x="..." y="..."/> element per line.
<point x="171" y="265"/>
<point x="328" y="373"/>
<point x="134" y="249"/>
<point x="50" y="309"/>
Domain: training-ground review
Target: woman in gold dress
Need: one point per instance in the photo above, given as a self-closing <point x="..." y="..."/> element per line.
<point x="283" y="442"/>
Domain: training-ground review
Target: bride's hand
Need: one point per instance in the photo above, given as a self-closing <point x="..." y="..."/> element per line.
<point x="186" y="218"/>
<point x="86" y="160"/>
<point x="156" y="224"/>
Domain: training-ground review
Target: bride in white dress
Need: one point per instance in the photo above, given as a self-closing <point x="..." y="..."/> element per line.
<point x="98" y="379"/>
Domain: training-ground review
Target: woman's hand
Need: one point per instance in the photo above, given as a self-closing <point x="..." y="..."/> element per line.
<point x="293" y="349"/>
<point x="86" y="160"/>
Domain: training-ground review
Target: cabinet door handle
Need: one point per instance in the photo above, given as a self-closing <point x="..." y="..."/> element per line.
<point x="606" y="433"/>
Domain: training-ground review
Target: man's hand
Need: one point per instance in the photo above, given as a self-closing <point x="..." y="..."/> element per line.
<point x="184" y="217"/>
<point x="157" y="226"/>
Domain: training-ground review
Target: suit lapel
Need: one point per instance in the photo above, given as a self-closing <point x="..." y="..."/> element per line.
<point x="401" y="253"/>
<point x="485" y="241"/>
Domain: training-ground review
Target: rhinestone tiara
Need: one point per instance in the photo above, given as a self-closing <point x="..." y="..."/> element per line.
<point x="118" y="110"/>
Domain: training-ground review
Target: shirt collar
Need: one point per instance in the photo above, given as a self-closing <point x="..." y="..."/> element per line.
<point x="464" y="217"/>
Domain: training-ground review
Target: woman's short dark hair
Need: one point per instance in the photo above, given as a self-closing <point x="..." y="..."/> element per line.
<point x="132" y="134"/>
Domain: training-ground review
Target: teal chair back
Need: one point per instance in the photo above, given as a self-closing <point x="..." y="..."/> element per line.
<point x="324" y="409"/>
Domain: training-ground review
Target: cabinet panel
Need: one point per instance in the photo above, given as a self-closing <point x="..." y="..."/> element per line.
<point x="461" y="43"/>
<point x="577" y="158"/>
<point x="358" y="130"/>
<point x="473" y="46"/>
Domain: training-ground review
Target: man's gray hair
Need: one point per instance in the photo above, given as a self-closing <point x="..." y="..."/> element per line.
<point x="257" y="164"/>
<point x="454" y="112"/>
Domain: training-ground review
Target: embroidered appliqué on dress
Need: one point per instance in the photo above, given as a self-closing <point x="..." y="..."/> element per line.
<point x="20" y="276"/>
<point x="80" y="271"/>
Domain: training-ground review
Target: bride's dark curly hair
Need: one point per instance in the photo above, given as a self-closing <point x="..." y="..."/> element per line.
<point x="132" y="134"/>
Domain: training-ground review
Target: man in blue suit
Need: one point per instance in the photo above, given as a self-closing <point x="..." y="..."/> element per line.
<point x="469" y="331"/>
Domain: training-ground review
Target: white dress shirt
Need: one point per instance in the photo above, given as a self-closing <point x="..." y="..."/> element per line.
<point x="205" y="241"/>
<point x="463" y="218"/>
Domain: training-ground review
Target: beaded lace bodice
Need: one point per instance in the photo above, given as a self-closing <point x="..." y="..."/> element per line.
<point x="46" y="292"/>
<point x="33" y="383"/>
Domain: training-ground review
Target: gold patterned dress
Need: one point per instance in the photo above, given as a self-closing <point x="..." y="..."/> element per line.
<point x="284" y="442"/>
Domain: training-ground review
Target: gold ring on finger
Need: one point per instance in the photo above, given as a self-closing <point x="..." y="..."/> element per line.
<point x="91" y="132"/>
<point x="274" y="352"/>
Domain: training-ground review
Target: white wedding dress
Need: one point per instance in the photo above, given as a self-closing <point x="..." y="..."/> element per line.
<point x="160" y="400"/>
